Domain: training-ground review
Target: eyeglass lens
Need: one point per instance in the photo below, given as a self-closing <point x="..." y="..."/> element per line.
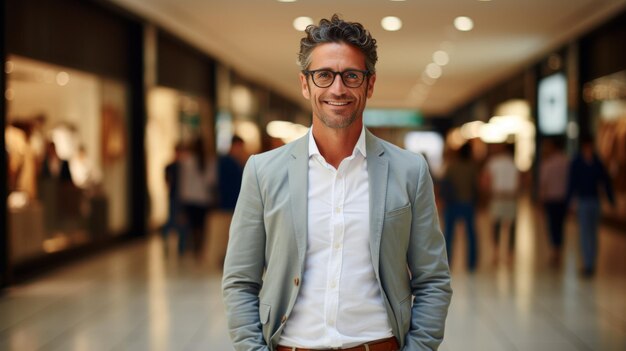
<point x="325" y="78"/>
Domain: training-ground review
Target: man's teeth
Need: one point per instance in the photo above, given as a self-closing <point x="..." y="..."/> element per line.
<point x="335" y="103"/>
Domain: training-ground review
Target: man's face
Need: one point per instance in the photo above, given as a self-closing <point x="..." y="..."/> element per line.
<point x="337" y="106"/>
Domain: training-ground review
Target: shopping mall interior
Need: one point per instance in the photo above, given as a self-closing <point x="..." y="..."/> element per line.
<point x="102" y="96"/>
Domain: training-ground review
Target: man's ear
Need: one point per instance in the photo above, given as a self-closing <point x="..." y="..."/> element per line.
<point x="304" y="85"/>
<point x="370" y="85"/>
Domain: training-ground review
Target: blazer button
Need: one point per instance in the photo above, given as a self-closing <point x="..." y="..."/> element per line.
<point x="283" y="320"/>
<point x="296" y="281"/>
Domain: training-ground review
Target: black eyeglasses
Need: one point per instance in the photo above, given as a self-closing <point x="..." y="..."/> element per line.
<point x="324" y="78"/>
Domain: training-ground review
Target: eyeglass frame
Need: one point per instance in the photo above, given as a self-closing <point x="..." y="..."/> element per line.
<point x="311" y="73"/>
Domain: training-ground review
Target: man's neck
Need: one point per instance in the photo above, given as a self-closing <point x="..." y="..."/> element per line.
<point x="336" y="144"/>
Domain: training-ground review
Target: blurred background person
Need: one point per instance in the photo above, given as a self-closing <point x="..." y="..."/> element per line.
<point x="501" y="178"/>
<point x="55" y="167"/>
<point x="459" y="190"/>
<point x="37" y="139"/>
<point x="176" y="219"/>
<point x="229" y="175"/>
<point x="586" y="175"/>
<point x="55" y="180"/>
<point x="197" y="179"/>
<point x="553" y="177"/>
<point x="23" y="166"/>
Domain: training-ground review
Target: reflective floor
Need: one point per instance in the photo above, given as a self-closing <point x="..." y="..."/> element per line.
<point x="140" y="298"/>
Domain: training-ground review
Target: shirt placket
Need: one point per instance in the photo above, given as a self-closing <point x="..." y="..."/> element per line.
<point x="336" y="255"/>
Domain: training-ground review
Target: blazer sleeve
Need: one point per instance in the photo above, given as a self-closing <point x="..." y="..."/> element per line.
<point x="244" y="265"/>
<point x="430" y="274"/>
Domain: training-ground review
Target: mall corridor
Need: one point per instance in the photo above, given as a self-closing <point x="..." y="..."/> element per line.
<point x="142" y="297"/>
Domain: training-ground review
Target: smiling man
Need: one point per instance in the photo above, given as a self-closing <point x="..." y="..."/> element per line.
<point x="335" y="242"/>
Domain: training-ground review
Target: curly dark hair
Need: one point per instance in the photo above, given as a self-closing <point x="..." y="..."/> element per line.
<point x="337" y="30"/>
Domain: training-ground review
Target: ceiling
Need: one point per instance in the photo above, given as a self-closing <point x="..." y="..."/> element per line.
<point x="257" y="39"/>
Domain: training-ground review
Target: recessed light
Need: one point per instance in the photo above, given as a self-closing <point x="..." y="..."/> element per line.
<point x="463" y="23"/>
<point x="433" y="70"/>
<point x="8" y="67"/>
<point x="441" y="58"/>
<point x="286" y="0"/>
<point x="302" y="22"/>
<point x="391" y="23"/>
<point x="63" y="78"/>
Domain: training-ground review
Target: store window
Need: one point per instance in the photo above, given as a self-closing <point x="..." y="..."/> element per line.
<point x="66" y="141"/>
<point x="606" y="97"/>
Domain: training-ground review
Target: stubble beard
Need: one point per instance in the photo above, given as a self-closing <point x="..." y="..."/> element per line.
<point x="337" y="123"/>
<point x="337" y="120"/>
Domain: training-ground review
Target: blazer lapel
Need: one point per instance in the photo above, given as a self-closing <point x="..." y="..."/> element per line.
<point x="298" y="192"/>
<point x="377" y="169"/>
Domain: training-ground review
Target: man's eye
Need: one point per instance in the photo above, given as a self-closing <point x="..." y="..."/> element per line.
<point x="323" y="75"/>
<point x="351" y="75"/>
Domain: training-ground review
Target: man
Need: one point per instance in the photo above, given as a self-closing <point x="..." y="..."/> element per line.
<point x="502" y="179"/>
<point x="587" y="176"/>
<point x="335" y="241"/>
<point x="553" y="175"/>
<point x="229" y="174"/>
<point x="460" y="181"/>
<point x="176" y="218"/>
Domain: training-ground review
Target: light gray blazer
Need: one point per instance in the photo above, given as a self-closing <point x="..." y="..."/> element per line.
<point x="268" y="237"/>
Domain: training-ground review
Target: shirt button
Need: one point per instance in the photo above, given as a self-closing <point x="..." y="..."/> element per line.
<point x="338" y="209"/>
<point x="296" y="281"/>
<point x="333" y="284"/>
<point x="337" y="245"/>
<point x="283" y="320"/>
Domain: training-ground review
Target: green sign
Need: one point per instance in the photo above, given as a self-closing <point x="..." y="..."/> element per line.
<point x="392" y="118"/>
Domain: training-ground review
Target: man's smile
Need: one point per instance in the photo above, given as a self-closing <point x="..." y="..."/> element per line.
<point x="337" y="103"/>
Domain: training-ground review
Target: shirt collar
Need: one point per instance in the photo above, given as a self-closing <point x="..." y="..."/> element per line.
<point x="359" y="147"/>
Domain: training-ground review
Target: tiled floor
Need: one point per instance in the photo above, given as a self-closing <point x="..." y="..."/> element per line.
<point x="138" y="298"/>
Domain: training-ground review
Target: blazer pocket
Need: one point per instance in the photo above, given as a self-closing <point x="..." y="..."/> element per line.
<point x="398" y="211"/>
<point x="264" y="313"/>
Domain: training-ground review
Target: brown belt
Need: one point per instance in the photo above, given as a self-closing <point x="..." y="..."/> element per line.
<point x="389" y="344"/>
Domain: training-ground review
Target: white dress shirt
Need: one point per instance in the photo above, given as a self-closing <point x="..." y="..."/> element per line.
<point x="340" y="302"/>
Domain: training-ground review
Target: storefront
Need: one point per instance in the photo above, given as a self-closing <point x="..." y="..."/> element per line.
<point x="603" y="105"/>
<point x="74" y="106"/>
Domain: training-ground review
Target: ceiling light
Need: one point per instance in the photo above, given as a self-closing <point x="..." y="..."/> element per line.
<point x="471" y="130"/>
<point x="9" y="94"/>
<point x="492" y="133"/>
<point x="433" y="71"/>
<point x="302" y="22"/>
<point x="391" y="23"/>
<point x="463" y="23"/>
<point x="63" y="78"/>
<point x="287" y="0"/>
<point x="441" y="58"/>
<point x="8" y="68"/>
<point x="286" y="131"/>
